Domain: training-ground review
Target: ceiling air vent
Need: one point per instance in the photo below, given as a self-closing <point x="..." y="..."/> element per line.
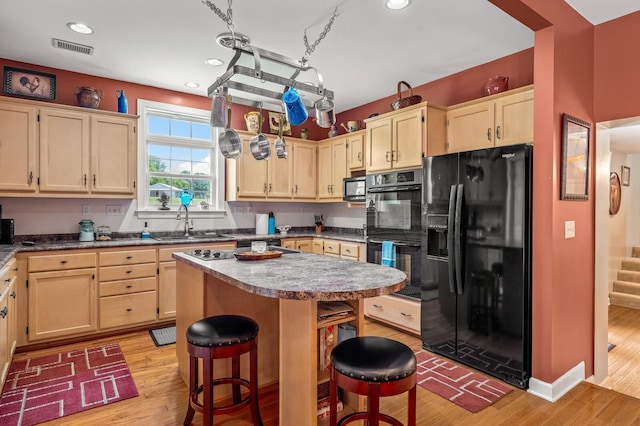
<point x="74" y="47"/>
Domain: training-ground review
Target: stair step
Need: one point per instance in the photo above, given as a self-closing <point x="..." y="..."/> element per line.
<point x="629" y="276"/>
<point x="627" y="287"/>
<point x="635" y="251"/>
<point x="631" y="264"/>
<point x="626" y="300"/>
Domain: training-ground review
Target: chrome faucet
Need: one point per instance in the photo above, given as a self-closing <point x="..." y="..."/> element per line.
<point x="187" y="228"/>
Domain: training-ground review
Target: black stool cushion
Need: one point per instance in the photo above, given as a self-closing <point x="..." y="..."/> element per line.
<point x="373" y="359"/>
<point x="222" y="330"/>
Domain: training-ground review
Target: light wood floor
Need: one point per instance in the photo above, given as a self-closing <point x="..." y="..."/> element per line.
<point x="163" y="394"/>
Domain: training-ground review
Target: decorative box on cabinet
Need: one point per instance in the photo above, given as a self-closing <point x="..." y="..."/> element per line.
<point x="62" y="295"/>
<point x="399" y="139"/>
<point x="65" y="151"/>
<point x="498" y="120"/>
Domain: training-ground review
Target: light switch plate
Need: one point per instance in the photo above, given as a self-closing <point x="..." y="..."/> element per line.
<point x="569" y="229"/>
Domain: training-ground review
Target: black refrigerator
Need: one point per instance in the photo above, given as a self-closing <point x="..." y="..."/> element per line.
<point x="476" y="252"/>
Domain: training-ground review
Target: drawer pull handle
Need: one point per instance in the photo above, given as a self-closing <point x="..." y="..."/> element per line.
<point x="13" y="294"/>
<point x="15" y="269"/>
<point x="3" y="312"/>
<point x="128" y="272"/>
<point x="63" y="262"/>
<point x="8" y="280"/>
<point x="129" y="309"/>
<point x="129" y="286"/>
<point x="129" y="257"/>
<point x="347" y="250"/>
<point x="377" y="306"/>
<point x="405" y="315"/>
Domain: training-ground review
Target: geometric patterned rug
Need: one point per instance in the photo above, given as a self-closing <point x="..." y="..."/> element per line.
<point x="46" y="388"/>
<point x="469" y="390"/>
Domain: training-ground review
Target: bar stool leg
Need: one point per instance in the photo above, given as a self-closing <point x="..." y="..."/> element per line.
<point x="253" y="378"/>
<point x="333" y="400"/>
<point x="207" y="392"/>
<point x="235" y="372"/>
<point x="373" y="404"/>
<point x="193" y="388"/>
<point x="411" y="415"/>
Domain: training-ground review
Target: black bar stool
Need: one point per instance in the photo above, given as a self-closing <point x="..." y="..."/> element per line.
<point x="222" y="336"/>
<point x="375" y="367"/>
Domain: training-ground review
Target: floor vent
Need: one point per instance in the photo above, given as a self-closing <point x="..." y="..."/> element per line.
<point x="74" y="47"/>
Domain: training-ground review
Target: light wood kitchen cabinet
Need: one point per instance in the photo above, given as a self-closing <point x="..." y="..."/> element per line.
<point x="8" y="315"/>
<point x="397" y="311"/>
<point x="127" y="287"/>
<point x="18" y="135"/>
<point x="332" y="168"/>
<point x="341" y="249"/>
<point x="399" y="139"/>
<point x="300" y="244"/>
<point x="62" y="293"/>
<point x="318" y="246"/>
<point x="276" y="178"/>
<point x="167" y="275"/>
<point x="356" y="150"/>
<point x="499" y="120"/>
<point x="65" y="151"/>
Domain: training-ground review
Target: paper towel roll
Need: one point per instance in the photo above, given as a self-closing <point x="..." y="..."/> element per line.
<point x="262" y="224"/>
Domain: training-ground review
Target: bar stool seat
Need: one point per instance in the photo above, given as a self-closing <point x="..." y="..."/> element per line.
<point x="375" y="367"/>
<point x="222" y="336"/>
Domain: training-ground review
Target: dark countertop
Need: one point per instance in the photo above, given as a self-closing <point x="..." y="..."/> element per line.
<point x="303" y="276"/>
<point x="7" y="251"/>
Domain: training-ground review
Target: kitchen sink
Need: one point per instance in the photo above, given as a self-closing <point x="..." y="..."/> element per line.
<point x="189" y="238"/>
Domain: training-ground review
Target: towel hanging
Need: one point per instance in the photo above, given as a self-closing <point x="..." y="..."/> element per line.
<point x="388" y="254"/>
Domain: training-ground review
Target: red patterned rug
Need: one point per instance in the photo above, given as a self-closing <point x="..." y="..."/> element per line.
<point x="465" y="388"/>
<point x="42" y="389"/>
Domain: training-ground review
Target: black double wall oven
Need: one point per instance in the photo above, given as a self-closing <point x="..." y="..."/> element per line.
<point x="393" y="205"/>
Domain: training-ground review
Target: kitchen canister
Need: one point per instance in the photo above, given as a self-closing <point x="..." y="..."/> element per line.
<point x="262" y="224"/>
<point x="86" y="230"/>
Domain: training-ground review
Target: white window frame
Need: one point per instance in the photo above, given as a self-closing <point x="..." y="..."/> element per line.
<point x="144" y="211"/>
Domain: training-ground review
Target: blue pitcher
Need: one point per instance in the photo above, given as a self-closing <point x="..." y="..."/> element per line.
<point x="123" y="105"/>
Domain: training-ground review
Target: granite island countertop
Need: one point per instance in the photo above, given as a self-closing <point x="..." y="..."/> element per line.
<point x="303" y="276"/>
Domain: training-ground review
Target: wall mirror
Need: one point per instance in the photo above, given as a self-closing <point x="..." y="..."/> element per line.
<point x="575" y="158"/>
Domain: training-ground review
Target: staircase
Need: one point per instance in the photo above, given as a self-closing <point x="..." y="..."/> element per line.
<point x="626" y="289"/>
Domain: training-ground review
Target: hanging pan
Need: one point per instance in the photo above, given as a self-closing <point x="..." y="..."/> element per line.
<point x="259" y="145"/>
<point x="281" y="147"/>
<point x="229" y="141"/>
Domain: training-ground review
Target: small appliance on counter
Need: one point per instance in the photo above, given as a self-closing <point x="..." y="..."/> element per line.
<point x="262" y="224"/>
<point x="7" y="229"/>
<point x="354" y="189"/>
<point x="86" y="230"/>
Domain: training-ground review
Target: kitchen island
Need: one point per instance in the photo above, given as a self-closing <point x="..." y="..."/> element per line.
<point x="281" y="294"/>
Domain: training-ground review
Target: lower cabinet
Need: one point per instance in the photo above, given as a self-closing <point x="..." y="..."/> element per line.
<point x="8" y="315"/>
<point x="396" y="311"/>
<point x="300" y="244"/>
<point x="341" y="249"/>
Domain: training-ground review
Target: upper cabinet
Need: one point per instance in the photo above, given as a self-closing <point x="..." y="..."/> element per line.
<point x="399" y="139"/>
<point x="281" y="179"/>
<point x="356" y="150"/>
<point x="498" y="120"/>
<point x="63" y="151"/>
<point x="332" y="168"/>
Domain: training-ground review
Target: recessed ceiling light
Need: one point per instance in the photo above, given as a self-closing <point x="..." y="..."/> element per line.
<point x="80" y="28"/>
<point x="397" y="4"/>
<point x="191" y="84"/>
<point x="214" y="61"/>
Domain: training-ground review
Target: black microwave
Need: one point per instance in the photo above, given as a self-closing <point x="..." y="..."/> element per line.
<point x="354" y="189"/>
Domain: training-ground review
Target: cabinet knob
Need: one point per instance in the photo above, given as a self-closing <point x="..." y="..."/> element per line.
<point x="129" y="309"/>
<point x="3" y="312"/>
<point x="128" y="272"/>
<point x="129" y="257"/>
<point x="63" y="262"/>
<point x="13" y="294"/>
<point x="405" y="315"/>
<point x="8" y="280"/>
<point x="377" y="306"/>
<point x="129" y="286"/>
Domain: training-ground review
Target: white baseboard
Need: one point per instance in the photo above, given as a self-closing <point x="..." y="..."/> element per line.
<point x="554" y="391"/>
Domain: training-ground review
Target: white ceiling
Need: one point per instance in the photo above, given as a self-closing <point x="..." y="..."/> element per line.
<point x="163" y="43"/>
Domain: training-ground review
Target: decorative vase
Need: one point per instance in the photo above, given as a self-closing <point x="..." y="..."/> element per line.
<point x="88" y="97"/>
<point x="254" y="121"/>
<point x="496" y="84"/>
<point x="123" y="104"/>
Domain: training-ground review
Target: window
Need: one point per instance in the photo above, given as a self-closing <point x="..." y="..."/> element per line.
<point x="176" y="153"/>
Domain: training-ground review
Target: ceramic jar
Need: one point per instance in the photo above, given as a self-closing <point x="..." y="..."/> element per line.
<point x="496" y="84"/>
<point x="254" y="121"/>
<point x="88" y="97"/>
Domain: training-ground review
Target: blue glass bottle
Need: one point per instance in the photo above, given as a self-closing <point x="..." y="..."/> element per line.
<point x="123" y="105"/>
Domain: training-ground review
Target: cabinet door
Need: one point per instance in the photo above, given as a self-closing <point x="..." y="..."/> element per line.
<point x="167" y="290"/>
<point x="280" y="175"/>
<point x="18" y="136"/>
<point x="113" y="155"/>
<point x="289" y="243"/>
<point x="304" y="170"/>
<point x="5" y="359"/>
<point x="338" y="166"/>
<point x="12" y="308"/>
<point x="64" y="151"/>
<point x="325" y="175"/>
<point x="62" y="303"/>
<point x="378" y="147"/>
<point x="251" y="173"/>
<point x="318" y="246"/>
<point x="470" y="127"/>
<point x="304" y="245"/>
<point x="355" y="151"/>
<point x="514" y="119"/>
<point x="408" y="137"/>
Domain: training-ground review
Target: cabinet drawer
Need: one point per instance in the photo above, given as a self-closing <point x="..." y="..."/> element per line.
<point x="350" y="250"/>
<point x="400" y="312"/>
<point x="59" y="262"/>
<point x="164" y="254"/>
<point x="8" y="273"/>
<point x="112" y="273"/>
<point x="115" y="258"/>
<point x="124" y="310"/>
<point x="331" y="247"/>
<point x="113" y="288"/>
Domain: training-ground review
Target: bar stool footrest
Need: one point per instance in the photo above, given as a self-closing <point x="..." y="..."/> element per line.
<point x="363" y="415"/>
<point x="227" y="408"/>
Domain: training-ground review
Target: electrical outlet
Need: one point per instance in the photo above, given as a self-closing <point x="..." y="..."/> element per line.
<point x="238" y="210"/>
<point x="114" y="210"/>
<point x="249" y="209"/>
<point x="86" y="209"/>
<point x="569" y="229"/>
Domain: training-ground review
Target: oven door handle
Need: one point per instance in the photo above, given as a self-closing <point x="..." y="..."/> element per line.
<point x="450" y="239"/>
<point x="395" y="189"/>
<point x="396" y="244"/>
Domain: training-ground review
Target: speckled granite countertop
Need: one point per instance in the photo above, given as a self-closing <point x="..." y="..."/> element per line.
<point x="48" y="243"/>
<point x="303" y="276"/>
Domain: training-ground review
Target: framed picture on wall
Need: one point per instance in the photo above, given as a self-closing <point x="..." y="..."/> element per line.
<point x="30" y="84"/>
<point x="625" y="175"/>
<point x="575" y="158"/>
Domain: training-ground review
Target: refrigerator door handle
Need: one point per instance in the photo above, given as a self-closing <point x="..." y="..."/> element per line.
<point x="450" y="240"/>
<point x="458" y="238"/>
